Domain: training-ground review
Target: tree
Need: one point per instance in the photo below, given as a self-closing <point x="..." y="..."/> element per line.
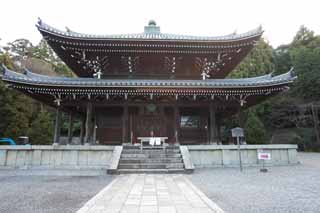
<point x="282" y="59"/>
<point x="44" y="52"/>
<point x="307" y="66"/>
<point x="20" y="48"/>
<point x="254" y="129"/>
<point x="258" y="62"/>
<point x="41" y="128"/>
<point x="303" y="37"/>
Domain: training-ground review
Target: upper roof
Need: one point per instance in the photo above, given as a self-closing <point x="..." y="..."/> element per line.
<point x="150" y="54"/>
<point x="151" y="32"/>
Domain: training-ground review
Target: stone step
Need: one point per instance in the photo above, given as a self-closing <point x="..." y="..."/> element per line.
<point x="150" y="171"/>
<point x="150" y="160"/>
<point x="145" y="155"/>
<point x="142" y="166"/>
<point x="151" y="166"/>
<point x="126" y="147"/>
<point x="133" y="151"/>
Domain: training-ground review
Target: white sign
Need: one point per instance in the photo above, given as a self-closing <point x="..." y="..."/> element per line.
<point x="264" y="156"/>
<point x="237" y="132"/>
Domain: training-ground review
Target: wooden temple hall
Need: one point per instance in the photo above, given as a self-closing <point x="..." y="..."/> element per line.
<point x="148" y="84"/>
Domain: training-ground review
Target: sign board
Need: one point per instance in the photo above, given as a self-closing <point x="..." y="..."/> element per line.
<point x="264" y="156"/>
<point x="237" y="132"/>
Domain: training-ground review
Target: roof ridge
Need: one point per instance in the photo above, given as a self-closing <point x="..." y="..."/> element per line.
<point x="150" y="35"/>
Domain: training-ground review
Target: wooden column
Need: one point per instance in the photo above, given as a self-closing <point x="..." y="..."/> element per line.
<point x="241" y="118"/>
<point x="218" y="129"/>
<point x="89" y="130"/>
<point x="177" y="123"/>
<point x="70" y="128"/>
<point x="125" y="124"/>
<point x="94" y="128"/>
<point x="57" y="127"/>
<point x="82" y="130"/>
<point x="213" y="125"/>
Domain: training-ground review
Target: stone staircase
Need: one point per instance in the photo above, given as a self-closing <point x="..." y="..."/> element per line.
<point x="150" y="160"/>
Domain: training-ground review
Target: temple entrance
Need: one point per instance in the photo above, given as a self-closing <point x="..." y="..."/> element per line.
<point x="147" y="123"/>
<point x="148" y="118"/>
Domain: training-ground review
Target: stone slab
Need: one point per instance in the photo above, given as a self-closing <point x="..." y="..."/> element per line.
<point x="3" y="157"/>
<point x="116" y="154"/>
<point x="169" y="193"/>
<point x="188" y="165"/>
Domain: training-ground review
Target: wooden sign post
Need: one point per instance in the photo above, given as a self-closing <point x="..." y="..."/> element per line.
<point x="237" y="133"/>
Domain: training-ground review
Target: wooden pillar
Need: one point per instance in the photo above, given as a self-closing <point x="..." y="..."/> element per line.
<point x="57" y="127"/>
<point x="82" y="130"/>
<point x="70" y="128"/>
<point x="125" y="124"/>
<point x="218" y="129"/>
<point x="176" y="123"/>
<point x="213" y="125"/>
<point x="89" y="130"/>
<point x="94" y="129"/>
<point x="241" y="118"/>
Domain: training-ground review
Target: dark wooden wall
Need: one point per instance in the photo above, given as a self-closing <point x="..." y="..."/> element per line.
<point x="143" y="119"/>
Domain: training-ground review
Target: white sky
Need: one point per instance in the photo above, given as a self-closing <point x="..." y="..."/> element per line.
<point x="280" y="19"/>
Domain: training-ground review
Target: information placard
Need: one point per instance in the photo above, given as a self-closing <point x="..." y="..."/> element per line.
<point x="264" y="156"/>
<point x="237" y="132"/>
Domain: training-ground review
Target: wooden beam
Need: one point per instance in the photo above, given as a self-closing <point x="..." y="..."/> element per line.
<point x="82" y="130"/>
<point x="57" y="127"/>
<point x="125" y="124"/>
<point x="70" y="128"/>
<point x="213" y="125"/>
<point x="177" y="123"/>
<point x="89" y="130"/>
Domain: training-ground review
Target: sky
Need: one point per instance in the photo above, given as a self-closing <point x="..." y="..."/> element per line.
<point x="280" y="19"/>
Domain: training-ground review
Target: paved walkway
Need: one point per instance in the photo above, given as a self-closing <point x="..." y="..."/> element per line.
<point x="139" y="193"/>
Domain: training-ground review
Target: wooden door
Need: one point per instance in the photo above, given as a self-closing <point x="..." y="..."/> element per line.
<point x="147" y="123"/>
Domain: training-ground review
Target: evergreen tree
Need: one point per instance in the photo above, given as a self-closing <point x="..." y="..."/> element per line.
<point x="259" y="62"/>
<point x="41" y="128"/>
<point x="254" y="129"/>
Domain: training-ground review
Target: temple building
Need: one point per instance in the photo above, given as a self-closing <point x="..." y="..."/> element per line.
<point x="135" y="85"/>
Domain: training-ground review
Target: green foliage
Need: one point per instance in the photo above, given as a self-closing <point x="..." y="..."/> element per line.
<point x="307" y="66"/>
<point x="63" y="69"/>
<point x="258" y="62"/>
<point x="41" y="128"/>
<point x="282" y="59"/>
<point x="6" y="60"/>
<point x="15" y="113"/>
<point x="19" y="114"/>
<point x="254" y="129"/>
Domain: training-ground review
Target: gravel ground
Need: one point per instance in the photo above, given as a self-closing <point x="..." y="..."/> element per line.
<point x="48" y="191"/>
<point x="282" y="189"/>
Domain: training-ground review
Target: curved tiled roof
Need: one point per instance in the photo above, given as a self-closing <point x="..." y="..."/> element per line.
<point x="147" y="35"/>
<point x="36" y="79"/>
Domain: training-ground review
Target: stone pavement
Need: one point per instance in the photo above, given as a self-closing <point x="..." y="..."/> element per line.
<point x="139" y="193"/>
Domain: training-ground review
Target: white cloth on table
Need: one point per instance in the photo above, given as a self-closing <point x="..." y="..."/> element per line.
<point x="152" y="141"/>
<point x="158" y="141"/>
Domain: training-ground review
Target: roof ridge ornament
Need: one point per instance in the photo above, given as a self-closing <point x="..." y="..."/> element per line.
<point x="39" y="21"/>
<point x="152" y="28"/>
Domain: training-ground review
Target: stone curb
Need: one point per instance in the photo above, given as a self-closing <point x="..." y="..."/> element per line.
<point x="205" y="199"/>
<point x="92" y="201"/>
